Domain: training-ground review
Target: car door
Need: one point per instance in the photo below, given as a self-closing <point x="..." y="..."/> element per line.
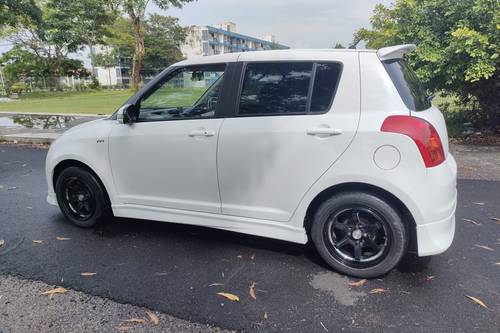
<point x="293" y="120"/>
<point x="168" y="157"/>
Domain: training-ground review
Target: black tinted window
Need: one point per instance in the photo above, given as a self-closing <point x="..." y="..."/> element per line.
<point x="407" y="84"/>
<point x="273" y="88"/>
<point x="325" y="83"/>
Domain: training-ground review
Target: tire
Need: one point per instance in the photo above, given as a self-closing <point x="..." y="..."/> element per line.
<point x="359" y="234"/>
<point x="81" y="198"/>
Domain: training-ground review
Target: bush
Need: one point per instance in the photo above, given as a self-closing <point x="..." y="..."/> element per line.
<point x="19" y="88"/>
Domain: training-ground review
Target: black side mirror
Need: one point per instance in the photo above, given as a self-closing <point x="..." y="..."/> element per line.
<point x="127" y="114"/>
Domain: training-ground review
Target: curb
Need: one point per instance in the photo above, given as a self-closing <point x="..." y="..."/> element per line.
<point x="42" y="138"/>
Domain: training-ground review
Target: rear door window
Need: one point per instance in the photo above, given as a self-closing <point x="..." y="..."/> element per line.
<point x="325" y="84"/>
<point x="275" y="88"/>
<point x="407" y="84"/>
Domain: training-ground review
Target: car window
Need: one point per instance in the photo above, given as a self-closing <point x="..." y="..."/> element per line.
<point x="275" y="88"/>
<point x="407" y="84"/>
<point x="190" y="92"/>
<point x="325" y="83"/>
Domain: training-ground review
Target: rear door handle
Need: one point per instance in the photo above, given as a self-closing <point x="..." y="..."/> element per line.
<point x="201" y="132"/>
<point x="324" y="131"/>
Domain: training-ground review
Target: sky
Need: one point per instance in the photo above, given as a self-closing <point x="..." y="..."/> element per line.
<point x="295" y="23"/>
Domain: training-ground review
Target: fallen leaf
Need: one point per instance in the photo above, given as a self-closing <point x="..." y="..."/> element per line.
<point x="124" y="328"/>
<point x="484" y="247"/>
<point x="471" y="221"/>
<point x="479" y="203"/>
<point x="2" y="242"/>
<point x="496" y="219"/>
<point x="153" y="317"/>
<point x="378" y="291"/>
<point x="497" y="263"/>
<point x="430" y="277"/>
<point x="251" y="291"/>
<point x="11" y="188"/>
<point x="87" y="274"/>
<point x="229" y="296"/>
<point x="358" y="283"/>
<point x="62" y="238"/>
<point x="477" y="301"/>
<point x="265" y="315"/>
<point x="52" y="292"/>
<point x="37" y="241"/>
<point x="134" y="320"/>
<point x="215" y="284"/>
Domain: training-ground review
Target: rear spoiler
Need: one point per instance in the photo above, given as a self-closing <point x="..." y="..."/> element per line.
<point x="395" y="52"/>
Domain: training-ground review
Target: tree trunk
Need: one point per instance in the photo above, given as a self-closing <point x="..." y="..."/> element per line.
<point x="138" y="51"/>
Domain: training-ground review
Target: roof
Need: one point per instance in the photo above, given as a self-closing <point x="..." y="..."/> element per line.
<point x="386" y="53"/>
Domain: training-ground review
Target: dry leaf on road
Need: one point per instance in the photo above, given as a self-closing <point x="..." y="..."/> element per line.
<point x="2" y="242"/>
<point x="496" y="219"/>
<point x="497" y="263"/>
<point x="215" y="284"/>
<point x="430" y="277"/>
<point x="479" y="203"/>
<point x="229" y="296"/>
<point x="153" y="317"/>
<point x="87" y="274"/>
<point x="134" y="320"/>
<point x="477" y="301"/>
<point x="265" y="315"/>
<point x="37" y="241"/>
<point x="378" y="291"/>
<point x="62" y="238"/>
<point x="251" y="291"/>
<point x="472" y="221"/>
<point x="52" y="292"/>
<point x="358" y="283"/>
<point x="123" y="328"/>
<point x="484" y="247"/>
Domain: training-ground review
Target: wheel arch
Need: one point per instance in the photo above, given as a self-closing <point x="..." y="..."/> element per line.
<point x="64" y="164"/>
<point x="365" y="188"/>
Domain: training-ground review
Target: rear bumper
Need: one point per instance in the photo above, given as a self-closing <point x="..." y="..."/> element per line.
<point x="438" y="202"/>
<point x="435" y="238"/>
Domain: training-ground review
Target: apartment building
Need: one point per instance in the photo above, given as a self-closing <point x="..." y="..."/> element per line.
<point x="223" y="38"/>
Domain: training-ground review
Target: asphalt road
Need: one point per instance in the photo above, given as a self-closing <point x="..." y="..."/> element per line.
<point x="172" y="268"/>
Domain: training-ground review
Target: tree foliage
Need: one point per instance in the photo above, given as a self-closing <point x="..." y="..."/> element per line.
<point x="16" y="12"/>
<point x="136" y="10"/>
<point x="457" y="42"/>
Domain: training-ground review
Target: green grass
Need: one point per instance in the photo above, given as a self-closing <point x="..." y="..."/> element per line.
<point x="94" y="102"/>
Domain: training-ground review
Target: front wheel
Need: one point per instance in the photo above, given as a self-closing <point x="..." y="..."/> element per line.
<point x="82" y="199"/>
<point x="359" y="234"/>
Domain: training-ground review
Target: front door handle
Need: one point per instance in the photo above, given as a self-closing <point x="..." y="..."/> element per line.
<point x="201" y="132"/>
<point x="324" y="131"/>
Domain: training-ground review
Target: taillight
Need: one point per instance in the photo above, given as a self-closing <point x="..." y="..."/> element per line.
<point x="423" y="133"/>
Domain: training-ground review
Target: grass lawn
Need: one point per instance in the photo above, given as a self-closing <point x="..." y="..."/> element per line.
<point x="94" y="102"/>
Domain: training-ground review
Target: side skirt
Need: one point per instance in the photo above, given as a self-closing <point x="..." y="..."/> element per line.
<point x="263" y="228"/>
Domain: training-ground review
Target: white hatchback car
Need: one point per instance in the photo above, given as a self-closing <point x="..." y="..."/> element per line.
<point x="339" y="147"/>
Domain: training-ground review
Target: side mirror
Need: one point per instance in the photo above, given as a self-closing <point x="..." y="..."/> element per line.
<point x="126" y="114"/>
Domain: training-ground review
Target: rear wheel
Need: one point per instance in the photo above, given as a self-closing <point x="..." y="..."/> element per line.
<point x="81" y="198"/>
<point x="359" y="234"/>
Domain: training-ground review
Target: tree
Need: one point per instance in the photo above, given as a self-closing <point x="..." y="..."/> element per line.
<point x="136" y="10"/>
<point x="162" y="40"/>
<point x="64" y="28"/>
<point x="15" y="12"/>
<point x="339" y="46"/>
<point x="106" y="60"/>
<point x="458" y="47"/>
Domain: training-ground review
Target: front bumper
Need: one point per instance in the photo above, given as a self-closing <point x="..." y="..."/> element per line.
<point x="52" y="199"/>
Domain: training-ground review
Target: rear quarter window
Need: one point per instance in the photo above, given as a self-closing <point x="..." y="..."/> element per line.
<point x="407" y="84"/>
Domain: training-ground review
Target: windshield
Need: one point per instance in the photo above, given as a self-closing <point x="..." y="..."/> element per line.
<point x="407" y="84"/>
